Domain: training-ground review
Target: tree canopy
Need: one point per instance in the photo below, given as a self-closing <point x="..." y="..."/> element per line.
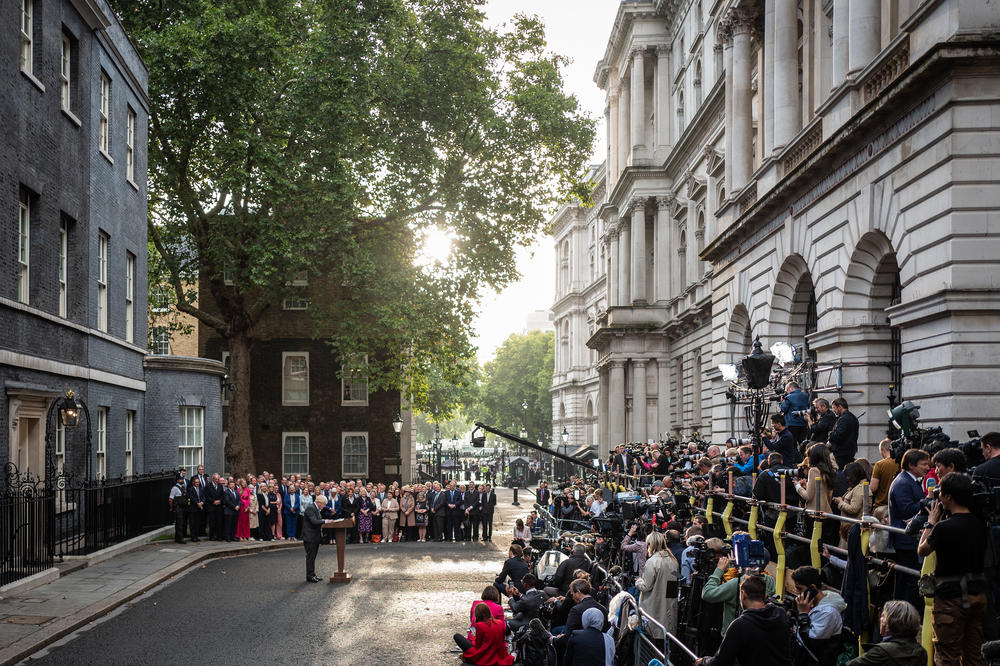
<point x="326" y="137"/>
<point x="520" y="374"/>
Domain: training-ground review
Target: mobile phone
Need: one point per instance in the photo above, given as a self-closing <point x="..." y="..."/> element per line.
<point x="811" y="592"/>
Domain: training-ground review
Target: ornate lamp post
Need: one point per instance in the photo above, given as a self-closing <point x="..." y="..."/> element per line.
<point x="757" y="371"/>
<point x="69" y="408"/>
<point x="565" y="440"/>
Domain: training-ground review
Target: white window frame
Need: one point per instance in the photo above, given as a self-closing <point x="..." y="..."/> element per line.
<point x="156" y="345"/>
<point x="129" y="441"/>
<point x="285" y="470"/>
<point x="102" y="442"/>
<point x="185" y="430"/>
<point x="129" y="296"/>
<point x="63" y="265"/>
<point x="343" y="385"/>
<point x="24" y="247"/>
<point x="284" y="400"/>
<point x="102" y="281"/>
<point x="27" y="36"/>
<point x="65" y="74"/>
<point x="60" y="446"/>
<point x="104" y="116"/>
<point x="295" y="304"/>
<point x="130" y="146"/>
<point x="228" y="362"/>
<point x="161" y="294"/>
<point x="343" y="455"/>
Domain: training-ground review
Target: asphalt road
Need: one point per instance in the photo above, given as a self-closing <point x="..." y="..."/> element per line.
<point x="402" y="607"/>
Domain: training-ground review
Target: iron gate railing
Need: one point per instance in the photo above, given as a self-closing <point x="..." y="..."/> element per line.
<point x="45" y="520"/>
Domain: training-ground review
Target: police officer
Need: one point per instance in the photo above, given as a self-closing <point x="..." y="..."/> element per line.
<point x="179" y="504"/>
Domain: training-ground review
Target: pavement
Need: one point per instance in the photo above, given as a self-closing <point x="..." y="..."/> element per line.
<point x="251" y="596"/>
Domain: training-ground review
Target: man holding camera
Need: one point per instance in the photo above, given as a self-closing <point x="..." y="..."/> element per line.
<point x="959" y="583"/>
<point x="781" y="440"/>
<point x="758" y="637"/>
<point x="794" y="407"/>
<point x="723" y="586"/>
<point x="819" y="429"/>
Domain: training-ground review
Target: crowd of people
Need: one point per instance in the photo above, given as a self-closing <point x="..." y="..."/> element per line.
<point x="264" y="507"/>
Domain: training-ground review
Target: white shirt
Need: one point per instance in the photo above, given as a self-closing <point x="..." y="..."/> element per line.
<point x="597" y="507"/>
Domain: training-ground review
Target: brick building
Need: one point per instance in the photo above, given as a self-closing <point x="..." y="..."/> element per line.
<point x="305" y="418"/>
<point x="73" y="200"/>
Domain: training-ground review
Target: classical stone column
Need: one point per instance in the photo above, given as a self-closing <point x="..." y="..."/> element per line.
<point x="624" y="119"/>
<point x="638" y="99"/>
<point x="624" y="262"/>
<point x="841" y="40"/>
<point x="611" y="127"/>
<point x="663" y="248"/>
<point x="769" y="98"/>
<point x="726" y="37"/>
<point x="742" y="95"/>
<point x="602" y="418"/>
<point x="638" y="431"/>
<point x="866" y="34"/>
<point x="693" y="262"/>
<point x="638" y="252"/>
<point x="614" y="271"/>
<point x="662" y="111"/>
<point x="663" y="395"/>
<point x="616" y="403"/>
<point x="786" y="74"/>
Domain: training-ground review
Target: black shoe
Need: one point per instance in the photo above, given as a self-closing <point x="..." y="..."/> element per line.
<point x="179" y="541"/>
<point x="314" y="579"/>
<point x="195" y="540"/>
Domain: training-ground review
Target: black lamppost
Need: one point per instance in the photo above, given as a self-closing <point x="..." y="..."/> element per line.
<point x="757" y="371"/>
<point x="565" y="442"/>
<point x="397" y="427"/>
<point x="437" y="447"/>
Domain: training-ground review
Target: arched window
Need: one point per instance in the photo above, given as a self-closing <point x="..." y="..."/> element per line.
<point x="682" y="262"/>
<point x="697" y="84"/>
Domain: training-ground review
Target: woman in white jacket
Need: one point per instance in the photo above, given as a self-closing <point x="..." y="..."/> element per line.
<point x="658" y="586"/>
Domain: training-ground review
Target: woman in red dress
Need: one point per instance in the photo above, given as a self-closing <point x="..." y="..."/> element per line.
<point x="487" y="647"/>
<point x="243" y="522"/>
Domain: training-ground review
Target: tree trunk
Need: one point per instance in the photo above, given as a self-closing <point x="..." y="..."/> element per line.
<point x="239" y="450"/>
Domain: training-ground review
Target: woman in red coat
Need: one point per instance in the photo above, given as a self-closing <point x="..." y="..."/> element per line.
<point x="488" y="647"/>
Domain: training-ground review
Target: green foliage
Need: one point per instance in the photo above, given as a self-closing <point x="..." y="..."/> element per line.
<point x="520" y="373"/>
<point x="325" y="136"/>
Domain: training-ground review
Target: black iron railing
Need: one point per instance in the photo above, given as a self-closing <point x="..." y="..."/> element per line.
<point x="42" y="521"/>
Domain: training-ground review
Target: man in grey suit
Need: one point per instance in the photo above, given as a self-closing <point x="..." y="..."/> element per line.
<point x="312" y="525"/>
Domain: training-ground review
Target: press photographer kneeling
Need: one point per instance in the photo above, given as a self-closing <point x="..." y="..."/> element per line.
<point x="758" y="637"/>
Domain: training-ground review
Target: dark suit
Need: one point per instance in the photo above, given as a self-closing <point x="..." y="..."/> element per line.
<point x="431" y="497"/>
<point x="514" y="569"/>
<point x="564" y="573"/>
<point x="204" y="480"/>
<point x="230" y="512"/>
<point x="621" y="463"/>
<point x="213" y="511"/>
<point x="822" y="426"/>
<point x="454" y="529"/>
<point x="312" y="524"/>
<point x="470" y="526"/>
<point x="525" y="608"/>
<point x="488" y="505"/>
<point x="784" y="444"/>
<point x="350" y="507"/>
<point x="844" y="439"/>
<point x="196" y="513"/>
<point x="574" y="622"/>
<point x="440" y="507"/>
<point x="264" y="511"/>
<point x="905" y="494"/>
<point x="542" y="496"/>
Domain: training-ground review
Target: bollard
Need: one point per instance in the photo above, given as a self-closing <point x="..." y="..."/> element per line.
<point x="927" y="629"/>
<point x="727" y="515"/>
<point x="779" y="547"/>
<point x="515" y="502"/>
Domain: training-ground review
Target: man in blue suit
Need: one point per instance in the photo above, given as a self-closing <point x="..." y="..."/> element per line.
<point x="454" y="501"/>
<point x="905" y="494"/>
<point x="290" y="505"/>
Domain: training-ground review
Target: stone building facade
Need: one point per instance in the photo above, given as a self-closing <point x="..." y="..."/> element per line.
<point x="73" y="206"/>
<point x="816" y="172"/>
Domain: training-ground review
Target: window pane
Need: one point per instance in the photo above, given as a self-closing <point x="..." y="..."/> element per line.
<point x="296" y="454"/>
<point x="295" y="380"/>
<point x="355" y="455"/>
<point x="190" y="437"/>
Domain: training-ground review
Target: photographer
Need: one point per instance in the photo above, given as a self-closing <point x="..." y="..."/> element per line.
<point x="758" y="637"/>
<point x="636" y="547"/>
<point x="564" y="573"/>
<point x="723" y="586"/>
<point x="844" y="435"/>
<point x="780" y="440"/>
<point x="989" y="471"/>
<point x="819" y="620"/>
<point x="794" y="405"/>
<point x="514" y="569"/>
<point x="820" y="427"/>
<point x="524" y="606"/>
<point x="959" y="583"/>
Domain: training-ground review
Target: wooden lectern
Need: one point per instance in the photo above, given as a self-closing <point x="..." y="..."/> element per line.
<point x="341" y="527"/>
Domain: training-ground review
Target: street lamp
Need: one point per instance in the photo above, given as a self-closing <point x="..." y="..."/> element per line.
<point x="69" y="408"/>
<point x="397" y="426"/>
<point x="565" y="442"/>
<point x="397" y="423"/>
<point x="757" y="370"/>
<point x="437" y="446"/>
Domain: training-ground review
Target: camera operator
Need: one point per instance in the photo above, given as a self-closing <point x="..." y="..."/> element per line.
<point x="634" y="543"/>
<point x="959" y="584"/>
<point x="779" y="439"/>
<point x="566" y="506"/>
<point x="514" y="569"/>
<point x="819" y="620"/>
<point x="758" y="637"/>
<point x="820" y="427"/>
<point x="525" y="606"/>
<point x="724" y="584"/>
<point x="564" y="573"/>
<point x="792" y="407"/>
<point x="692" y="537"/>
<point x="844" y="435"/>
<point x="904" y="503"/>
